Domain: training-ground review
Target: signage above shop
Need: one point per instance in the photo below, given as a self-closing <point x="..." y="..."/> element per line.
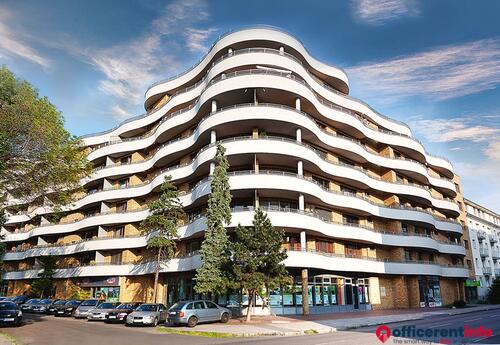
<point x="100" y="281"/>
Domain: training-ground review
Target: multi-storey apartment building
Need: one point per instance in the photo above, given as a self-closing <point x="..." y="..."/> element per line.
<point x="366" y="209"/>
<point x="484" y="233"/>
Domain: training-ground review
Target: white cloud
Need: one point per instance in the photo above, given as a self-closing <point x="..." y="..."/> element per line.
<point x="493" y="151"/>
<point x="446" y="130"/>
<point x="129" y="68"/>
<point x="376" y="12"/>
<point x="14" y="46"/>
<point x="442" y="73"/>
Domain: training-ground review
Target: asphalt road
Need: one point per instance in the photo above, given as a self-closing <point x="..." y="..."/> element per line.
<point x="48" y="330"/>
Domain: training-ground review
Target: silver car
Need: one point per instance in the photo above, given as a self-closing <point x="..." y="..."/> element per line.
<point x="100" y="313"/>
<point x="193" y="312"/>
<point x="147" y="314"/>
<point x="83" y="309"/>
<point x="42" y="306"/>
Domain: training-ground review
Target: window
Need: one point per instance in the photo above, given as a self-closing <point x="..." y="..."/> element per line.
<point x="431" y="258"/>
<point x="119" y="232"/>
<point x="404" y="227"/>
<point x="469" y="264"/>
<point x="211" y="305"/>
<point x="466" y="244"/>
<point x="123" y="183"/>
<point x="189" y="306"/>
<point x="125" y="160"/>
<point x="344" y="161"/>
<point x="347" y="190"/>
<point x="121" y="207"/>
<point x="351" y="220"/>
<point x="321" y="181"/>
<point x="116" y="258"/>
<point x="407" y="255"/>
<point x="199" y="305"/>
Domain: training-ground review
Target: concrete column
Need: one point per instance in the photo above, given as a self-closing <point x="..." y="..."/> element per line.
<point x="256" y="198"/>
<point x="40" y="241"/>
<point x="212" y="168"/>
<point x="104" y="207"/>
<point x="255" y="164"/>
<point x="101" y="232"/>
<point x="303" y="242"/>
<point x="305" y="292"/>
<point x="106" y="184"/>
<point x="213" y="137"/>
<point x="297" y="103"/>
<point x="99" y="257"/>
<point x="301" y="202"/>
<point x="255" y="100"/>
<point x="214" y="105"/>
<point x="282" y="50"/>
<point x="300" y="168"/>
<point x="230" y="51"/>
<point x="298" y="135"/>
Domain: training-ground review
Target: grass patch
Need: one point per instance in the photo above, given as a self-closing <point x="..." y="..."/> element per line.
<point x="11" y="338"/>
<point x="310" y="331"/>
<point x="196" y="333"/>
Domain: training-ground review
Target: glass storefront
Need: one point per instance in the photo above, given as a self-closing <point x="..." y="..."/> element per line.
<point x="107" y="288"/>
<point x="430" y="292"/>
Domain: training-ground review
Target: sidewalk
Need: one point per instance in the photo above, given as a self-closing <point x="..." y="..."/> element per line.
<point x="321" y="323"/>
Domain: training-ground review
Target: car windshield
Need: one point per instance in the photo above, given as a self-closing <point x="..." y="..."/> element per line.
<point x="106" y="306"/>
<point x="73" y="303"/>
<point x="7" y="306"/>
<point x="126" y="306"/>
<point x="45" y="301"/>
<point x="147" y="307"/>
<point x="33" y="301"/>
<point x="178" y="306"/>
<point x="19" y="298"/>
<point x="60" y="302"/>
<point x="90" y="302"/>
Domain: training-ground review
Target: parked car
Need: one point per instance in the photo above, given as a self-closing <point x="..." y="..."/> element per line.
<point x="67" y="308"/>
<point x="147" y="314"/>
<point x="193" y="312"/>
<point x="26" y="307"/>
<point x="19" y="299"/>
<point x="83" y="310"/>
<point x="42" y="306"/>
<point x="120" y="313"/>
<point x="10" y="314"/>
<point x="53" y="307"/>
<point x="101" y="312"/>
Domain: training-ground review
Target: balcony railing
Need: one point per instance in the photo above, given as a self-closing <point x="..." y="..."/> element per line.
<point x="487" y="270"/>
<point x="481" y="235"/>
<point x="497" y="272"/>
<point x="493" y="238"/>
<point x="484" y="252"/>
<point x="495" y="254"/>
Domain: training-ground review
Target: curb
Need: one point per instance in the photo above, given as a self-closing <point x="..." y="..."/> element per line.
<point x="311" y="331"/>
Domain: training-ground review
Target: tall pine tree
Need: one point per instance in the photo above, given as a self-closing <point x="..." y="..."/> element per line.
<point x="210" y="277"/>
<point x="161" y="226"/>
<point x="258" y="258"/>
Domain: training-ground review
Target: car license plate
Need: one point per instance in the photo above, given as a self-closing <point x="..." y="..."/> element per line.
<point x="138" y="321"/>
<point x="172" y="313"/>
<point x="111" y="317"/>
<point x="8" y="319"/>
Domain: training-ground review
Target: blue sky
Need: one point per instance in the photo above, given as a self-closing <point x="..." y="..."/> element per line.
<point x="432" y="64"/>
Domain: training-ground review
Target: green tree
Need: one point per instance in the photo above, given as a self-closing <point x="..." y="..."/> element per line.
<point x="211" y="277"/>
<point x="44" y="285"/>
<point x="258" y="258"/>
<point x="494" y="292"/>
<point x="161" y="226"/>
<point x="38" y="156"/>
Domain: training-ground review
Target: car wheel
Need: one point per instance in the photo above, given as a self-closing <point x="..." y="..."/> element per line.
<point x="192" y="321"/>
<point x="224" y="318"/>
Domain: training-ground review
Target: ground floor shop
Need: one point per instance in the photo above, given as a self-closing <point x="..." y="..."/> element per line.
<point x="327" y="291"/>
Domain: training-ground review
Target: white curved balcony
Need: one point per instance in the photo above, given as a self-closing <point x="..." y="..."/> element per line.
<point x="285" y="218"/>
<point x="294" y="259"/>
<point x="326" y="262"/>
<point x="285" y="82"/>
<point x="289" y="116"/>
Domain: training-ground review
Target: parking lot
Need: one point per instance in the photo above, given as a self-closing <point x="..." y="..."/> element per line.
<point x="50" y="330"/>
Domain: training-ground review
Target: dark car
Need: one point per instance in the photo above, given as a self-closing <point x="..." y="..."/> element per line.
<point x="120" y="313"/>
<point x="26" y="306"/>
<point x="53" y="307"/>
<point x="41" y="307"/>
<point x="19" y="299"/>
<point x="10" y="314"/>
<point x="68" y="308"/>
